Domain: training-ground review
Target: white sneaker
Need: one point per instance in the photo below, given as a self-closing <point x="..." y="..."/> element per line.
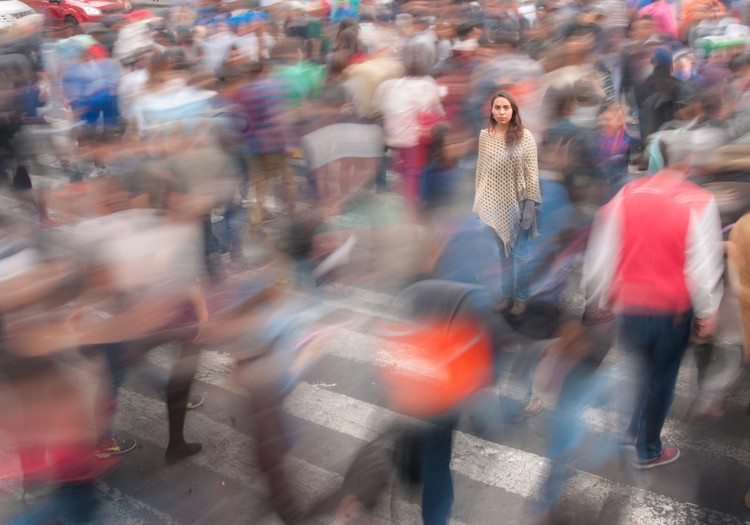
<point x="99" y="171"/>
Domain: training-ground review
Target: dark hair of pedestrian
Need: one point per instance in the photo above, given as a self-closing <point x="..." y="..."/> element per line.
<point x="437" y="144"/>
<point x="348" y="40"/>
<point x="338" y="63"/>
<point x="561" y="102"/>
<point x="514" y="134"/>
<point x="503" y="36"/>
<point x="464" y="29"/>
<point x="348" y="23"/>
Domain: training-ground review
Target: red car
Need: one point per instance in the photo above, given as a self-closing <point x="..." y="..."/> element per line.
<point x="71" y="13"/>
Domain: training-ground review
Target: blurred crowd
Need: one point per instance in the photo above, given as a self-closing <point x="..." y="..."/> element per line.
<point x="528" y="181"/>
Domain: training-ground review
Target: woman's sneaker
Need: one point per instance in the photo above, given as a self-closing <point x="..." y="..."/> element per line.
<point x="113" y="447"/>
<point x="667" y="456"/>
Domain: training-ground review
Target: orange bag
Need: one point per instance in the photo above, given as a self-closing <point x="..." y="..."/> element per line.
<point x="431" y="368"/>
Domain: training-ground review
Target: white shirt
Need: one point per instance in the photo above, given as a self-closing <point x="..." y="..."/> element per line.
<point x="402" y="101"/>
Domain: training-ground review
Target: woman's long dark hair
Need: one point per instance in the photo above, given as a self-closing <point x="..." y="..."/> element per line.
<point x="515" y="127"/>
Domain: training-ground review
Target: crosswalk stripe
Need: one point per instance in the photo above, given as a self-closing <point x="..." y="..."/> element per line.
<point x="515" y="471"/>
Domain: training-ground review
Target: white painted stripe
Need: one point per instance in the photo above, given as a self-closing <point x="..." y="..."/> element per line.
<point x="117" y="507"/>
<point x="382" y="300"/>
<point x="515" y="471"/>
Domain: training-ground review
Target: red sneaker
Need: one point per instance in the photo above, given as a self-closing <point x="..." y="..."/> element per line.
<point x="667" y="456"/>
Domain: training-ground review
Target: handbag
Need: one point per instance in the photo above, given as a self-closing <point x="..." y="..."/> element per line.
<point x="446" y="362"/>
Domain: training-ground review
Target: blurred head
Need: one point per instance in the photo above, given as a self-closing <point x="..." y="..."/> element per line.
<point x="588" y="92"/>
<point x="580" y="40"/>
<point x="662" y="59"/>
<point x="506" y="36"/>
<point x="684" y="60"/>
<point x="404" y="23"/>
<point x="418" y="59"/>
<point x="611" y="119"/>
<point x="468" y="30"/>
<point x="349" y="23"/>
<point x="420" y="23"/>
<point x="445" y="30"/>
<point x="348" y="40"/>
<point x="160" y="67"/>
<point x="642" y="29"/>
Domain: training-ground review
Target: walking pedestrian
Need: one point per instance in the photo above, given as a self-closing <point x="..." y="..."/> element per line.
<point x="655" y="256"/>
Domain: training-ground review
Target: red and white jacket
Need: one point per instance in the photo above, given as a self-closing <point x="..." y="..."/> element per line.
<point x="656" y="247"/>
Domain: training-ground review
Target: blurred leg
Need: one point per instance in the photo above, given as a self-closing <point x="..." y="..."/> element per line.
<point x="437" y="483"/>
<point x="178" y="391"/>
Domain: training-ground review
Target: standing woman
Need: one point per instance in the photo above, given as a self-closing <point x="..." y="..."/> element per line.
<point x="507" y="194"/>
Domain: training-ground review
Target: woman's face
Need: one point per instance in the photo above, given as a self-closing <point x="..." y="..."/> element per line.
<point x="502" y="111"/>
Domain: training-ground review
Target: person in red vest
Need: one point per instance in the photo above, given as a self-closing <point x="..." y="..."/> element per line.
<point x="655" y="256"/>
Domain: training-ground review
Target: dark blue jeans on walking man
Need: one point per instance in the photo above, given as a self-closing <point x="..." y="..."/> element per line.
<point x="659" y="343"/>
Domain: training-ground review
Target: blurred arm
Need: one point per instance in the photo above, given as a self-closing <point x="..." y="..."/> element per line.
<point x="602" y="255"/>
<point x="33" y="286"/>
<point x="704" y="266"/>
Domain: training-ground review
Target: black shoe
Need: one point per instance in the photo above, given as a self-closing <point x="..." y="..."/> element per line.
<point x="177" y="453"/>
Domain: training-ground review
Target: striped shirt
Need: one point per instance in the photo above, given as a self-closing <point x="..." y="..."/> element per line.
<point x="262" y="116"/>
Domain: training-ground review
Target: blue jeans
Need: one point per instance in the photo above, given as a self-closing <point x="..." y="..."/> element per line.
<point x="659" y="343"/>
<point x="514" y="280"/>
<point x="567" y="430"/>
<point x="437" y="483"/>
